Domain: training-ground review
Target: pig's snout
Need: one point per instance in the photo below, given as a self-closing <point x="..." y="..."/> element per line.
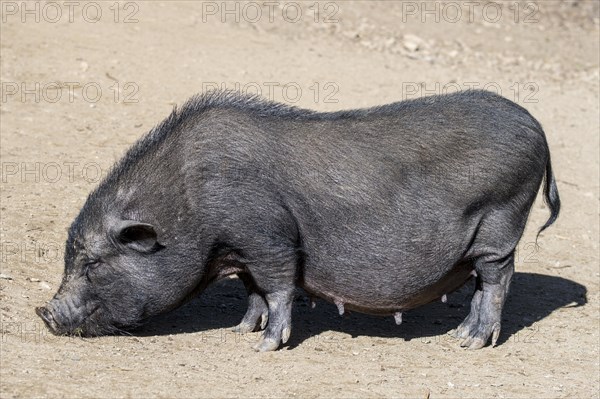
<point x="46" y="315"/>
<point x="64" y="315"/>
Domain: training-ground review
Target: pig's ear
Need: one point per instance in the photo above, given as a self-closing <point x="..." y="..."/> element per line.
<point x="137" y="236"/>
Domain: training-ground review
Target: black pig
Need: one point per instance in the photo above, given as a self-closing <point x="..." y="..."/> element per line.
<point x="378" y="210"/>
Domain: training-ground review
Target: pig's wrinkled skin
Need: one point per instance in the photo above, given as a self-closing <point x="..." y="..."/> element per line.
<point x="378" y="210"/>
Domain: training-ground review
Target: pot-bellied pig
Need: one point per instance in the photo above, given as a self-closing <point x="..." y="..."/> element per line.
<point x="378" y="210"/>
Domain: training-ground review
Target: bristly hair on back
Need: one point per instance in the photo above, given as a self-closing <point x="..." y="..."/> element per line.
<point x="200" y="103"/>
<point x="239" y="100"/>
<point x="191" y="109"/>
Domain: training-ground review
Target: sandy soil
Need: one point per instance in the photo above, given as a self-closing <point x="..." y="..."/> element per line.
<point x="76" y="93"/>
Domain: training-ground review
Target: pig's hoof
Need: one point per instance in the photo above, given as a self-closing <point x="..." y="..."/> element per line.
<point x="279" y="320"/>
<point x="285" y="334"/>
<point x="473" y="343"/>
<point x="479" y="337"/>
<point x="465" y="328"/>
<point x="266" y="344"/>
<point x="243" y="328"/>
<point x="264" y="319"/>
<point x="247" y="326"/>
<point x="474" y="331"/>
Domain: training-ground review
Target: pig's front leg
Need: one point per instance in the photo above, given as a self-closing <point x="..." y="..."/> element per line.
<point x="275" y="277"/>
<point x="257" y="314"/>
<point x="279" y="327"/>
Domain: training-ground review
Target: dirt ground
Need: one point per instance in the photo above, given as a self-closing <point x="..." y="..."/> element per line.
<point x="81" y="82"/>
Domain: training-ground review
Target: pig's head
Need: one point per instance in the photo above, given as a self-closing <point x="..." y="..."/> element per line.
<point x="117" y="273"/>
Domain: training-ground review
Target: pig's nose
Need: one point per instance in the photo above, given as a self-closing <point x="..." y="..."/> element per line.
<point x="46" y="315"/>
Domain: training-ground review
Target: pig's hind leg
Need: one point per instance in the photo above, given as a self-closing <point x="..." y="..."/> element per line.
<point x="492" y="253"/>
<point x="483" y="321"/>
<point x="257" y="313"/>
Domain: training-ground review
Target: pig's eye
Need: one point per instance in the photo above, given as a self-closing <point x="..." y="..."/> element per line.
<point x="89" y="266"/>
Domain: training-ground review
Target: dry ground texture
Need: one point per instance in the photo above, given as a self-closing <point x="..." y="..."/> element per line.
<point x="79" y="87"/>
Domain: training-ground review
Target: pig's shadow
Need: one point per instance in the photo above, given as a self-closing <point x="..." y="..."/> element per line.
<point x="532" y="297"/>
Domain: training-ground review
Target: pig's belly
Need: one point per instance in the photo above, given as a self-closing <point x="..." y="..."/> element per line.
<point x="391" y="295"/>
